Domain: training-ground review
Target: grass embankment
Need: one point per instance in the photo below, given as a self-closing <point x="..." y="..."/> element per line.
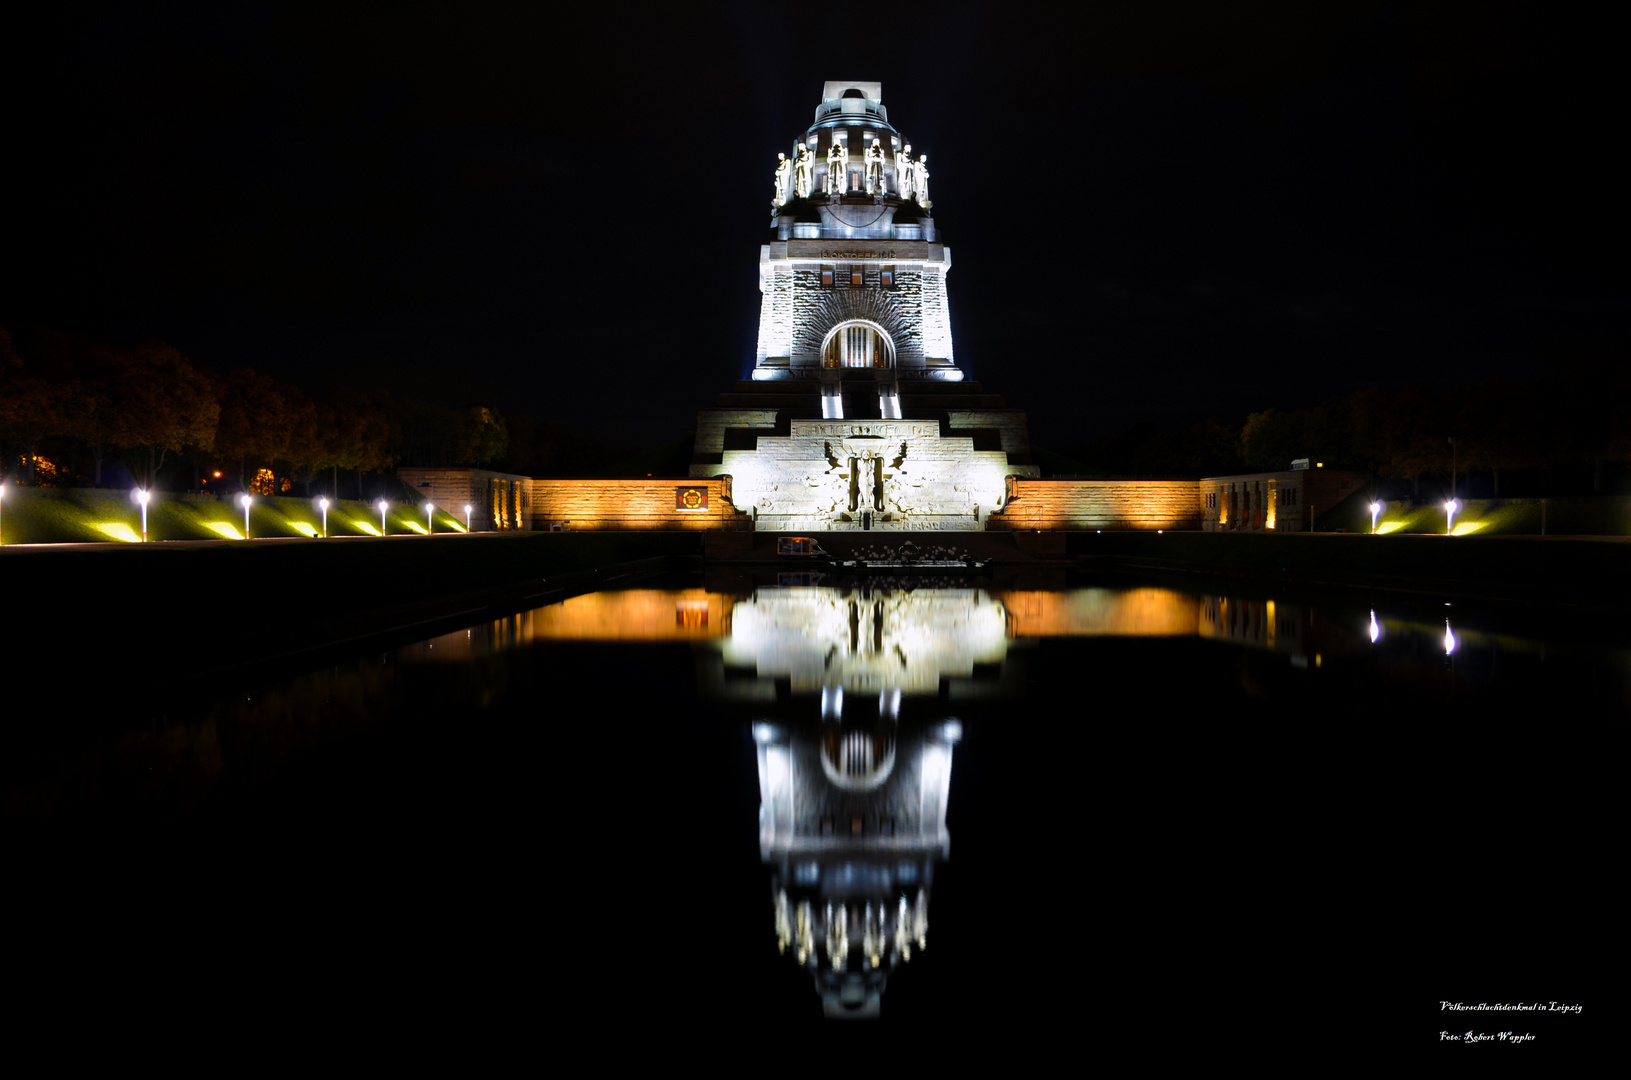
<point x="81" y="515"/>
<point x="161" y="615"/>
<point x="1602" y="515"/>
<point x="1571" y="570"/>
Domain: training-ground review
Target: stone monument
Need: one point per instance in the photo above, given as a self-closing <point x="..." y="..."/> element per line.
<point x="857" y="416"/>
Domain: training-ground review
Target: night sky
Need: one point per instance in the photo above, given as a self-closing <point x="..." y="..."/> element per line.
<point x="1156" y="212"/>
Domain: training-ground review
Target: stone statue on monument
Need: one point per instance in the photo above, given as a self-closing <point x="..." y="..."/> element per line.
<point x="783" y="167"/>
<point x="903" y="172"/>
<point x="802" y="171"/>
<point x="837" y="169"/>
<point x="874" y="168"/>
<point x="920" y="174"/>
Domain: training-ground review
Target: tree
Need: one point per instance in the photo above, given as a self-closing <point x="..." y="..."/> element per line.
<point x="263" y="422"/>
<point x="1415" y="436"/>
<point x="483" y="436"/>
<point x="162" y="405"/>
<point x="38" y="399"/>
<point x="1272" y="440"/>
<point x="351" y="434"/>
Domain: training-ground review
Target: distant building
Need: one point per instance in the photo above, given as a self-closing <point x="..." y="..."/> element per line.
<point x="497" y="501"/>
<point x="1280" y="501"/>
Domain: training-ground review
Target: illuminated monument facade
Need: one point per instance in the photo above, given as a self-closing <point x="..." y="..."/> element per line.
<point x="857" y="416"/>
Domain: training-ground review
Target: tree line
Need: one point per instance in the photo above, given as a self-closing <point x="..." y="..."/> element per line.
<point x="73" y="411"/>
<point x="1570" y="429"/>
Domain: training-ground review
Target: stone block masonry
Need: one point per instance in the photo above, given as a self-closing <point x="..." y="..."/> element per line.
<point x="1100" y="504"/>
<point x="642" y="505"/>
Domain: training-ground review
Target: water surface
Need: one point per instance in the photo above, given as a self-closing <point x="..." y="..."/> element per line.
<point x="685" y="804"/>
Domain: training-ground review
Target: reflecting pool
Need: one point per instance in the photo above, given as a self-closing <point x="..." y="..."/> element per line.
<point x="698" y="803"/>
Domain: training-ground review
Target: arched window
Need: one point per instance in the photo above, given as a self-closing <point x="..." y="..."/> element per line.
<point x="857" y="344"/>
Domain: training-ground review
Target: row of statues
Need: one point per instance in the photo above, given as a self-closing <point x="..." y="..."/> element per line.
<point x="911" y="177"/>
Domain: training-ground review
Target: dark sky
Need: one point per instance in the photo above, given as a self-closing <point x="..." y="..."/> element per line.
<point x="1155" y="211"/>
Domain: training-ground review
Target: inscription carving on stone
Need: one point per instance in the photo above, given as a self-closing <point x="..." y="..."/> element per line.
<point x="858" y="253"/>
<point x="839" y="429"/>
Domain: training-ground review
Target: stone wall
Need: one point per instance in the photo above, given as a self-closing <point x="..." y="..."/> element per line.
<point x="817" y="309"/>
<point x="635" y="505"/>
<point x="1101" y="504"/>
<point x="713" y="423"/>
<point x="937" y="313"/>
<point x="1009" y="424"/>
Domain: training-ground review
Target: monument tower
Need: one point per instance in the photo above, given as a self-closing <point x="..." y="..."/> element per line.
<point x="857" y="415"/>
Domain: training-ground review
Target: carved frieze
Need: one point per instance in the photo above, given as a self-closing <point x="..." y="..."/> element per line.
<point x="887" y="429"/>
<point x="859" y="253"/>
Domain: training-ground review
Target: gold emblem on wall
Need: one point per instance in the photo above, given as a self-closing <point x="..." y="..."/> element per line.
<point x="690" y="498"/>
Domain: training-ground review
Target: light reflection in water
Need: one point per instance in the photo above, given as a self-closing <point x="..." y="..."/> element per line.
<point x="872" y="639"/>
<point x="851" y="692"/>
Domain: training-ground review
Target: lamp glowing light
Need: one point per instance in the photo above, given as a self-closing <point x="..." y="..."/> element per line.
<point x="2" y="513"/>
<point x="382" y="505"/>
<point x="246" y="500"/>
<point x="430" y="525"/>
<point x="1375" y="512"/>
<point x="1375" y="630"/>
<point x="1449" y="514"/>
<point x="466" y="517"/>
<point x="141" y="498"/>
<point x="1449" y="638"/>
<point x="322" y="504"/>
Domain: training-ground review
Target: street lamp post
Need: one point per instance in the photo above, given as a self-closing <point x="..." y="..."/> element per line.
<point x="2" y="513"/>
<point x="246" y="500"/>
<point x="382" y="505"/>
<point x="430" y="524"/>
<point x="323" y="505"/>
<point x="142" y="497"/>
<point x="1375" y="510"/>
<point x="1449" y="515"/>
<point x="467" y="517"/>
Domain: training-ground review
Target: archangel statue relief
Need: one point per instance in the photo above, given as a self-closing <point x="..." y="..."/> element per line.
<point x="802" y="171"/>
<point x="783" y="167"/>
<point x="874" y="168"/>
<point x="837" y="169"/>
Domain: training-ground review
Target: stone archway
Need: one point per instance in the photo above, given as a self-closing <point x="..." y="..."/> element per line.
<point x="858" y="343"/>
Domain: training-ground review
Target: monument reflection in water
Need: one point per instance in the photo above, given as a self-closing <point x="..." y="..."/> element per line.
<point x="854" y="697"/>
<point x="853" y="793"/>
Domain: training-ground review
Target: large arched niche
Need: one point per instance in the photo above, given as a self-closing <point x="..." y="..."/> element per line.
<point x="828" y="309"/>
<point x="858" y="343"/>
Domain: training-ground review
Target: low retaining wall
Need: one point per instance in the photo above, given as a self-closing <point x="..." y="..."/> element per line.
<point x="645" y="505"/>
<point x="1100" y="504"/>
